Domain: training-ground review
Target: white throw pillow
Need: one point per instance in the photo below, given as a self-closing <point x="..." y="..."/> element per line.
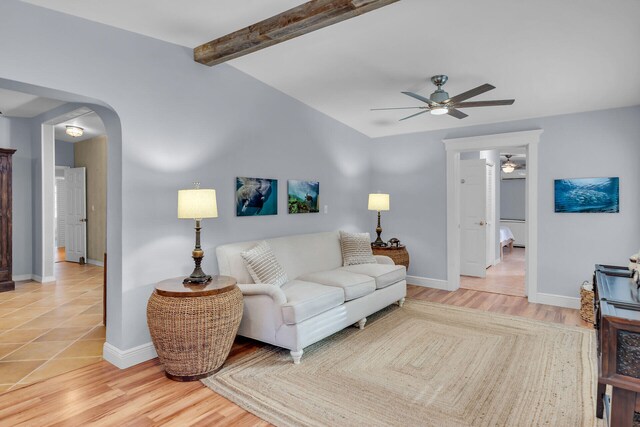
<point x="263" y="265"/>
<point x="356" y="248"/>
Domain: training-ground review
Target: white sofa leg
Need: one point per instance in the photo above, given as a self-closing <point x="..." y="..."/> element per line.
<point x="360" y="323"/>
<point x="296" y="355"/>
<point x="401" y="302"/>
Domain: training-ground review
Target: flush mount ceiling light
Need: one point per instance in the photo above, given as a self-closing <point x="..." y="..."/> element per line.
<point x="508" y="166"/>
<point x="74" y="131"/>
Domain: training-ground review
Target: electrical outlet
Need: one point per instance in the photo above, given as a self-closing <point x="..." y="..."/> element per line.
<point x="326" y="209"/>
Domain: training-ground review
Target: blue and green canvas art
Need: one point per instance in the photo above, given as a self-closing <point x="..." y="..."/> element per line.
<point x="587" y="195"/>
<point x="256" y="196"/>
<point x="303" y="196"/>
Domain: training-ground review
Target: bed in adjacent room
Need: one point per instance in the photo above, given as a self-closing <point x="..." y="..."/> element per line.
<point x="506" y="239"/>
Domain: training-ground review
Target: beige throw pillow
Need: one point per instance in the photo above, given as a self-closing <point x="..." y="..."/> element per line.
<point x="263" y="265"/>
<point x="356" y="248"/>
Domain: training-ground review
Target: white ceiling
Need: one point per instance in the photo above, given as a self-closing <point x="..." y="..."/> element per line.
<point x="18" y="104"/>
<point x="85" y="118"/>
<point x="553" y="57"/>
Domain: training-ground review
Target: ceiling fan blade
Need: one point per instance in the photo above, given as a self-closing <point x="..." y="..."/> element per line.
<point x="413" y="115"/>
<point x="484" y="103"/>
<point x="420" y="98"/>
<point x="471" y="93"/>
<point x="396" y="108"/>
<point x="457" y="114"/>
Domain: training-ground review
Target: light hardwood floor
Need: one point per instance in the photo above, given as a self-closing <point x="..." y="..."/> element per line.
<point x="506" y="277"/>
<point x="101" y="394"/>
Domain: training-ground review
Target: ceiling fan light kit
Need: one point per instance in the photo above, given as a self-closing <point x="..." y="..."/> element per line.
<point x="439" y="103"/>
<point x="509" y="166"/>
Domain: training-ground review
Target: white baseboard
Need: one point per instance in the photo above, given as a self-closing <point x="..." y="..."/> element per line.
<point x="21" y="277"/>
<point x="41" y="279"/>
<point x="428" y="283"/>
<point x="557" y="300"/>
<point x="126" y="358"/>
<point x="95" y="262"/>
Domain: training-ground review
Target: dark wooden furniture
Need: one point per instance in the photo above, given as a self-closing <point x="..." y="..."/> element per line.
<point x="193" y="326"/>
<point x="6" y="282"/>
<point x="617" y="325"/>
<point x="398" y="254"/>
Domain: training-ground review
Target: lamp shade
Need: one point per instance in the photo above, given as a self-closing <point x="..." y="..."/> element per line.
<point x="378" y="202"/>
<point x="197" y="204"/>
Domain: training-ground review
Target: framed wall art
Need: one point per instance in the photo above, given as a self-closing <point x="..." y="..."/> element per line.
<point x="592" y="195"/>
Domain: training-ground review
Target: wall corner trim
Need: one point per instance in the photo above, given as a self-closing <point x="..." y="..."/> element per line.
<point x="557" y="300"/>
<point x="126" y="358"/>
<point x="428" y="283"/>
<point x="45" y="279"/>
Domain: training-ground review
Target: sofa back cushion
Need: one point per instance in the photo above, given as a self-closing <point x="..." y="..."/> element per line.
<point x="298" y="254"/>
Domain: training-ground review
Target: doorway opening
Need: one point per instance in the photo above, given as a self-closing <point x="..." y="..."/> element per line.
<point x="503" y="143"/>
<point x="493" y="221"/>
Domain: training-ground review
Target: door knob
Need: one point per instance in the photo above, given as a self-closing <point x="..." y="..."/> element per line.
<point x="481" y="223"/>
<point x="85" y="220"/>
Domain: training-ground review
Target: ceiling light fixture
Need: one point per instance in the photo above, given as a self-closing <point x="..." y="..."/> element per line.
<point x="438" y="111"/>
<point x="508" y="166"/>
<point x="74" y="131"/>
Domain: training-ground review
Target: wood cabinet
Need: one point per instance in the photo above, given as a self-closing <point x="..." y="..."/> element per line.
<point x="6" y="282"/>
<point x="617" y="305"/>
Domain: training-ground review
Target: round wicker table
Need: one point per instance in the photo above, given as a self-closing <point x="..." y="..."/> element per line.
<point x="398" y="254"/>
<point x="193" y="326"/>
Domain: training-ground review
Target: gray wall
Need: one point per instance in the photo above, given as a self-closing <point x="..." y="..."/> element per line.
<point x="15" y="133"/>
<point x="183" y="122"/>
<point x="513" y="198"/>
<point x="64" y="154"/>
<point x="602" y="143"/>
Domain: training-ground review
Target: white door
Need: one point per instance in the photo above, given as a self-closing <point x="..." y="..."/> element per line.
<point x="473" y="217"/>
<point x="76" y="214"/>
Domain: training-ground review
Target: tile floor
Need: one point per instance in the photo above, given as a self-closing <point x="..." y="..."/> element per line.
<point x="50" y="328"/>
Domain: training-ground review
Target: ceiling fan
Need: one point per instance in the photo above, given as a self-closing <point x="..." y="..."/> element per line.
<point x="440" y="103"/>
<point x="509" y="165"/>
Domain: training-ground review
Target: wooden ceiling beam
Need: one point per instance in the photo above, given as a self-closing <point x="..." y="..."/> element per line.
<point x="295" y="22"/>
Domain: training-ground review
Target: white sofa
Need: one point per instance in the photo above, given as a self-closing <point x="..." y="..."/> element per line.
<point x="321" y="297"/>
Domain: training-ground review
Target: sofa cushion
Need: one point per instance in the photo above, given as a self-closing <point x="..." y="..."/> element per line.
<point x="306" y="299"/>
<point x="356" y="248"/>
<point x="383" y="274"/>
<point x="263" y="265"/>
<point x="354" y="285"/>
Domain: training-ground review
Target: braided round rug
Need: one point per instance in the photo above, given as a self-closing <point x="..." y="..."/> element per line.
<point x="425" y="364"/>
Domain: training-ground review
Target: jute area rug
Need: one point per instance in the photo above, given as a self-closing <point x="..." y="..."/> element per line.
<point x="424" y="364"/>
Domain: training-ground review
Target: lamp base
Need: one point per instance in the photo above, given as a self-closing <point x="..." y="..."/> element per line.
<point x="379" y="244"/>
<point x="196" y="280"/>
<point x="197" y="276"/>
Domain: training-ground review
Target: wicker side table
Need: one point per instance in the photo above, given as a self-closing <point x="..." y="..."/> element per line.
<point x="399" y="254"/>
<point x="193" y="326"/>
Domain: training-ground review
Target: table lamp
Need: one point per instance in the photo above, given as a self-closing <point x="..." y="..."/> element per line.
<point x="378" y="202"/>
<point x="197" y="203"/>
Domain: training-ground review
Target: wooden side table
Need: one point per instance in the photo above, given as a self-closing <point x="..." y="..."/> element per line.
<point x="399" y="254"/>
<point x="193" y="326"/>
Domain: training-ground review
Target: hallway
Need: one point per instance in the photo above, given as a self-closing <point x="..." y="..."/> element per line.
<point x="505" y="278"/>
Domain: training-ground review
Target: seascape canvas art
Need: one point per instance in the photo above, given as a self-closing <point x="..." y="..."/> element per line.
<point x="600" y="195"/>
<point x="256" y="196"/>
<point x="303" y="196"/>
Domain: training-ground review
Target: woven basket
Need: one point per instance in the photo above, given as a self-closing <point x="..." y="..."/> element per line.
<point x="587" y="309"/>
<point x="193" y="336"/>
<point x="399" y="256"/>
